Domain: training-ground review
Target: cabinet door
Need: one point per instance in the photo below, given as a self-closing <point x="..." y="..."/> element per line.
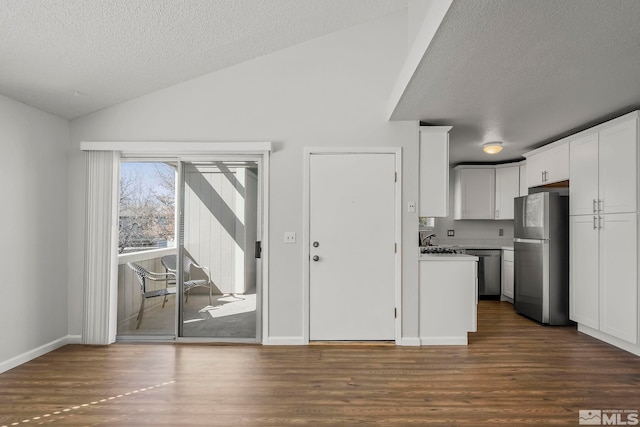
<point x="618" y="276"/>
<point x="478" y="193"/>
<point x="583" y="175"/>
<point x="557" y="164"/>
<point x="618" y="168"/>
<point x="507" y="188"/>
<point x="583" y="265"/>
<point x="536" y="166"/>
<point x="524" y="190"/>
<point x="434" y="172"/>
<point x="507" y="279"/>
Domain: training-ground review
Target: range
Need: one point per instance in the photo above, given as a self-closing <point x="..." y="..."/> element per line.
<point x="440" y="250"/>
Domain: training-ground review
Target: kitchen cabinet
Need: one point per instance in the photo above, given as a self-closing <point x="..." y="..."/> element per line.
<point x="548" y="164"/>
<point x="603" y="292"/>
<point x="583" y="270"/>
<point x="507" y="275"/>
<point x="603" y="170"/>
<point x="507" y="188"/>
<point x="434" y="171"/>
<point x="524" y="190"/>
<point x="448" y="299"/>
<point x="603" y="270"/>
<point x="474" y="192"/>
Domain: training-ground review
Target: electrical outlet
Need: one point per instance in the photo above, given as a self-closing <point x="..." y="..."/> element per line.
<point x="412" y="207"/>
<point x="289" y="236"/>
<point x="501" y="232"/>
<point x="451" y="233"/>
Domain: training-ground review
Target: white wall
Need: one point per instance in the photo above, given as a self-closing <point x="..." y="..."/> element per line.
<point x="33" y="306"/>
<point x="331" y="91"/>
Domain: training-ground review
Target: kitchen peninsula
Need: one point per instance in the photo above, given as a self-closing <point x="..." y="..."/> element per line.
<point x="448" y="298"/>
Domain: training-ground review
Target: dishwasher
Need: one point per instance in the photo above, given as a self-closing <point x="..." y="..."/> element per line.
<point x="489" y="267"/>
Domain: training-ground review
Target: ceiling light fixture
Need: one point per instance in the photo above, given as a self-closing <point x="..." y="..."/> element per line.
<point x="492" y="147"/>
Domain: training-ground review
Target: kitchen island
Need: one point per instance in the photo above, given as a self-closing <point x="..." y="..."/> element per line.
<point x="448" y="298"/>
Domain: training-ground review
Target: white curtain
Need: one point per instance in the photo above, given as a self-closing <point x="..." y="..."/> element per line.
<point x="100" y="255"/>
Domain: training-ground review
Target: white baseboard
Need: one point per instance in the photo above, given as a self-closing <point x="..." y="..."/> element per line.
<point x="284" y="341"/>
<point x="410" y="341"/>
<point x="443" y="340"/>
<point x="37" y="352"/>
<point x="74" y="339"/>
<point x="631" y="348"/>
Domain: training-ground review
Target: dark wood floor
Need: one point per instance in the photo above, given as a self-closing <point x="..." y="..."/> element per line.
<point x="514" y="372"/>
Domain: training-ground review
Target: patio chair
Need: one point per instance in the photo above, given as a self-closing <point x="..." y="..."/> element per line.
<point x="169" y="262"/>
<point x="144" y="276"/>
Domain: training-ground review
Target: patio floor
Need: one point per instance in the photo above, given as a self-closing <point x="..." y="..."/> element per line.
<point x="226" y="317"/>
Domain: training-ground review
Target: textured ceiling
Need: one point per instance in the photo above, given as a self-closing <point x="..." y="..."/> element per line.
<point x="526" y="72"/>
<point x="73" y="57"/>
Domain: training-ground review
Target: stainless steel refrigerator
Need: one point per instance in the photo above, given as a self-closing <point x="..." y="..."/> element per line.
<point x="541" y="257"/>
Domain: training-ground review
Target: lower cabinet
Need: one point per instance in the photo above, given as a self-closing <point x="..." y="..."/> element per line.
<point x="448" y="299"/>
<point x="604" y="277"/>
<point x="507" y="275"/>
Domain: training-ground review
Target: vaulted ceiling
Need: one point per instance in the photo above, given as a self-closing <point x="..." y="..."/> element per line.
<point x="524" y="72"/>
<point x="73" y="57"/>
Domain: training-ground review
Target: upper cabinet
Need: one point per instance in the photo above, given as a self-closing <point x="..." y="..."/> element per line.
<point x="434" y="171"/>
<point x="474" y="192"/>
<point x="603" y="169"/>
<point x="524" y="190"/>
<point x="507" y="188"/>
<point x="485" y="192"/>
<point x="548" y="164"/>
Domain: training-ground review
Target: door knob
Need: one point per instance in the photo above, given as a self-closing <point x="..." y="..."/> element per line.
<point x="316" y="258"/>
<point x="316" y="244"/>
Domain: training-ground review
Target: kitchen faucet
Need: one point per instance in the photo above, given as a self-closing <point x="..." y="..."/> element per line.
<point x="427" y="239"/>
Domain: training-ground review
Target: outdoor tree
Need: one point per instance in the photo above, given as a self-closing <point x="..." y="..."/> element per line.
<point x="147" y="207"/>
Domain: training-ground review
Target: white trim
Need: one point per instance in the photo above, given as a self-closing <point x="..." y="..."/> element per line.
<point x="623" y="345"/>
<point x="443" y="341"/>
<point x="263" y="212"/>
<point x="410" y="341"/>
<point x="164" y="147"/>
<point x="308" y="151"/>
<point x="285" y="341"/>
<point x="37" y="352"/>
<point x="145" y="255"/>
<point x="434" y="17"/>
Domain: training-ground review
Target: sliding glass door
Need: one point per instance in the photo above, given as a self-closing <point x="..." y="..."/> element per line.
<point x="189" y="231"/>
<point x="218" y="221"/>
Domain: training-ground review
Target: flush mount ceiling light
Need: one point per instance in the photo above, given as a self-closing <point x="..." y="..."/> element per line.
<point x="492" y="147"/>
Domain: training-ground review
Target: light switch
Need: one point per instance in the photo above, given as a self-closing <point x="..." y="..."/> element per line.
<point x="289" y="236"/>
<point x="412" y="206"/>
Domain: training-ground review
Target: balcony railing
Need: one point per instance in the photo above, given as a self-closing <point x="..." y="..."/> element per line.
<point x="128" y="285"/>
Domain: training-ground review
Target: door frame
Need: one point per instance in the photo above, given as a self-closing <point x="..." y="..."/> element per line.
<point x="306" y="198"/>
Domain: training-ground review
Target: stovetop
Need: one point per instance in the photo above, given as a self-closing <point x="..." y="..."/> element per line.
<point x="440" y="250"/>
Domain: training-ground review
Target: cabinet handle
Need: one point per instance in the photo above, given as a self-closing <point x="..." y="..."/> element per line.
<point x="600" y="203"/>
<point x="542" y="176"/>
<point x="595" y="222"/>
<point x="595" y="209"/>
<point x="600" y="222"/>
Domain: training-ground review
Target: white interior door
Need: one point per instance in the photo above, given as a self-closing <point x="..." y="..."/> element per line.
<point x="352" y="246"/>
